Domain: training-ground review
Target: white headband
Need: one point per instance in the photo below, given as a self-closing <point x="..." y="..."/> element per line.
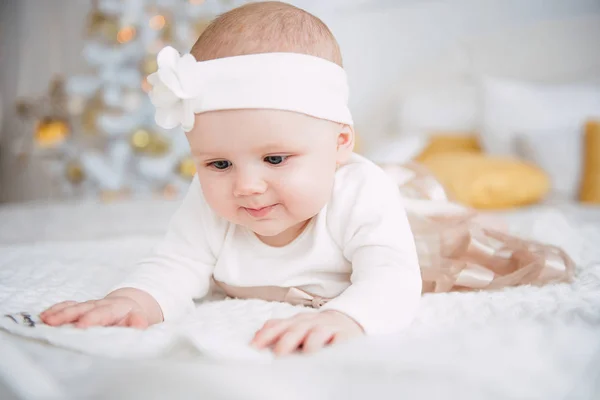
<point x="301" y="83"/>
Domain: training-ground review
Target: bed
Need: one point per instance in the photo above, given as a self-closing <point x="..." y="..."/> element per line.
<point x="525" y="342"/>
<point x="518" y="343"/>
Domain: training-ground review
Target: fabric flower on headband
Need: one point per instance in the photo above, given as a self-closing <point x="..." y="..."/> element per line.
<point x="183" y="87"/>
<point x="175" y="89"/>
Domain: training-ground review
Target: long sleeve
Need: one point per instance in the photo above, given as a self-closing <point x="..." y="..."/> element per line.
<point x="180" y="267"/>
<point x="367" y="217"/>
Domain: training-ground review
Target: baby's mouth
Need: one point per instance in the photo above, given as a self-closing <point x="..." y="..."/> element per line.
<point x="259" y="212"/>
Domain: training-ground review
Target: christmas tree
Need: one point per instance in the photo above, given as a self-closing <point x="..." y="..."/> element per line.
<point x="97" y="132"/>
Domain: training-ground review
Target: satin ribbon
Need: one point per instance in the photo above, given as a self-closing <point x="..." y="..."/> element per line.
<point x="457" y="251"/>
<point x="291" y="295"/>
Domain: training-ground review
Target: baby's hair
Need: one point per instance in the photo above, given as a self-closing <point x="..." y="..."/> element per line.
<point x="266" y="27"/>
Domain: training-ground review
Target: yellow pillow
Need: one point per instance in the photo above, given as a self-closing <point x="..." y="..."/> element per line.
<point x="357" y="143"/>
<point x="487" y="182"/>
<point x="590" y="182"/>
<point x="444" y="143"/>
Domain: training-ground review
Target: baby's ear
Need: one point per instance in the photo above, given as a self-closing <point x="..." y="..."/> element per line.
<point x="345" y="143"/>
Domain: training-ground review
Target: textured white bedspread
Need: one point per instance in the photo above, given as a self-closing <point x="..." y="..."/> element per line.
<point x="526" y="342"/>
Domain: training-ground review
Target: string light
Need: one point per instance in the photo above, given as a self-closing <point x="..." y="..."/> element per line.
<point x="146" y="86"/>
<point x="125" y="34"/>
<point x="89" y="125"/>
<point x="157" y="22"/>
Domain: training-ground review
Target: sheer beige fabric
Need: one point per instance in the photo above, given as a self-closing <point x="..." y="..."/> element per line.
<point x="459" y="250"/>
<point x="292" y="295"/>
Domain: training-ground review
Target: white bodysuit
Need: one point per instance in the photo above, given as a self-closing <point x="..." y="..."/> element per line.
<point x="359" y="250"/>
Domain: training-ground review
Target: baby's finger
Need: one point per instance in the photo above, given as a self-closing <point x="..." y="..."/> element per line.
<point x="56" y="308"/>
<point x="340" y="337"/>
<point x="94" y="317"/>
<point x="104" y="315"/>
<point x="70" y="314"/>
<point x="316" y="339"/>
<point x="270" y="331"/>
<point x="289" y="341"/>
<point x="136" y="320"/>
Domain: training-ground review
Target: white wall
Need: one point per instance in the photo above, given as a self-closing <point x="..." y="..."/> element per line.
<point x="38" y="39"/>
<point x="387" y="46"/>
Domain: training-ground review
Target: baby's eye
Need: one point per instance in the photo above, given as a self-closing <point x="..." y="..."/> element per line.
<point x="274" y="160"/>
<point x="221" y="164"/>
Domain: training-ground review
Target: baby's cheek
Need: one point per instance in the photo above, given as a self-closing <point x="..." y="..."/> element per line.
<point x="304" y="198"/>
<point x="219" y="199"/>
<point x="221" y="209"/>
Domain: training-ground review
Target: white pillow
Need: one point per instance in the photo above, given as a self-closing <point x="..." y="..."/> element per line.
<point x="449" y="107"/>
<point x="559" y="153"/>
<point x="540" y="122"/>
<point x="397" y="150"/>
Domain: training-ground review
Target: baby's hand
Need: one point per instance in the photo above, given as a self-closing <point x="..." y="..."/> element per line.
<point x="307" y="331"/>
<point x="110" y="311"/>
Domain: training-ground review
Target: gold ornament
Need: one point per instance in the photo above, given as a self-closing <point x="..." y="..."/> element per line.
<point x="140" y="140"/>
<point x="126" y="34"/>
<point x="74" y="172"/>
<point x="100" y="23"/>
<point x="90" y="114"/>
<point x="96" y="20"/>
<point x="45" y="119"/>
<point x="149" y="143"/>
<point x="159" y="146"/>
<point x="51" y="105"/>
<point x="50" y="133"/>
<point x="110" y="31"/>
<point x="149" y="65"/>
<point x="186" y="168"/>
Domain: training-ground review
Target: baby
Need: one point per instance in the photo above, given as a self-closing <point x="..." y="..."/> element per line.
<point x="281" y="209"/>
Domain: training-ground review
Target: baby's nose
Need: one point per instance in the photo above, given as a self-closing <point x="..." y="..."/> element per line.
<point x="248" y="185"/>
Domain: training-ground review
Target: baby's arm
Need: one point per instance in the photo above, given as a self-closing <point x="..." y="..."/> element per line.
<point x="163" y="285"/>
<point x="367" y="219"/>
<point x="122" y="307"/>
<point x="376" y="238"/>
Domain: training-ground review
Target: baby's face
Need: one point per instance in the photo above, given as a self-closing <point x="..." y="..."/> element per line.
<point x="267" y="170"/>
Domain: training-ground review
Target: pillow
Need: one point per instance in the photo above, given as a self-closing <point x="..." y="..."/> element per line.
<point x="590" y="183"/>
<point x="445" y="107"/>
<point x="444" y="143"/>
<point x="397" y="150"/>
<point x="487" y="182"/>
<point x="559" y="153"/>
<point x="533" y="119"/>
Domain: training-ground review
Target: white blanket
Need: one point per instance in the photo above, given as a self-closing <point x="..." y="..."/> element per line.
<point x="529" y="342"/>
